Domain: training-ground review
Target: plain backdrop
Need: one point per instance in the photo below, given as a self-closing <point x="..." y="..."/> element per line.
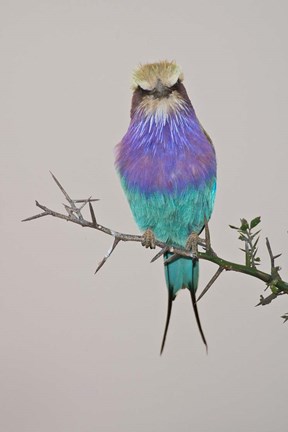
<point x="80" y="353"/>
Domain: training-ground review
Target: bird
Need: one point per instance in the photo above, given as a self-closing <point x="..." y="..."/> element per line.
<point x="167" y="167"/>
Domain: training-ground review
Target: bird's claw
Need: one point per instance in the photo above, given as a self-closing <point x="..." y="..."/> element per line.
<point x="148" y="239"/>
<point x="192" y="244"/>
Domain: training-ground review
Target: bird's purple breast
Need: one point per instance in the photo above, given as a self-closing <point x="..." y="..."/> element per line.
<point x="165" y="157"/>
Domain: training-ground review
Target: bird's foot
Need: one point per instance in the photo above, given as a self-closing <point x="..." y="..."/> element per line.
<point x="192" y="244"/>
<point x="148" y="239"/>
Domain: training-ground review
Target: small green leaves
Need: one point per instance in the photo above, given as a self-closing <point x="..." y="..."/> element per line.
<point x="285" y="317"/>
<point x="255" y="222"/>
<point x="244" y="225"/>
<point x="233" y="227"/>
<point x="251" y="239"/>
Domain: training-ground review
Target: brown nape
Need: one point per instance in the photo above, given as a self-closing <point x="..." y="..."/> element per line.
<point x="139" y="94"/>
<point x="136" y="100"/>
<point x="182" y="91"/>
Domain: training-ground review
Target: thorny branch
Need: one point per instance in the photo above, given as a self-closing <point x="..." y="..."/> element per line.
<point x="272" y="279"/>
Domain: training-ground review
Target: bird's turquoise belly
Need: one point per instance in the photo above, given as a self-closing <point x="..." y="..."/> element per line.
<point x="173" y="216"/>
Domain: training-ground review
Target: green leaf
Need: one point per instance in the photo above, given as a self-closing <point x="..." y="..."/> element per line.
<point x="233" y="227"/>
<point x="255" y="222"/>
<point x="244" y="225"/>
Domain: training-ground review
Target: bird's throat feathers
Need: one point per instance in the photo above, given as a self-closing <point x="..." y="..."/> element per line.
<point x="160" y="110"/>
<point x="164" y="124"/>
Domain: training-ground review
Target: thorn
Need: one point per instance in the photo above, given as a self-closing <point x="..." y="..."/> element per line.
<point x="210" y="283"/>
<point x="102" y="262"/>
<point x="266" y="300"/>
<point x="63" y="191"/>
<point x="84" y="203"/>
<point x="35" y="217"/>
<point x="93" y="217"/>
<point x="159" y="254"/>
<point x="40" y="205"/>
<point x="86" y="200"/>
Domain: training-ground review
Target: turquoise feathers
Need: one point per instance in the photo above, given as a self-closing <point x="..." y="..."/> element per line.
<point x="172" y="216"/>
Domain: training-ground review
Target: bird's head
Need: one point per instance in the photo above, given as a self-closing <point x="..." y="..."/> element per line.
<point x="158" y="89"/>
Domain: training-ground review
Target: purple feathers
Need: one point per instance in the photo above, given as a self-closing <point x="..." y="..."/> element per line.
<point x="166" y="154"/>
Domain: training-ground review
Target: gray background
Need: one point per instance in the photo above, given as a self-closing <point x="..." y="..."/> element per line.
<point x="81" y="352"/>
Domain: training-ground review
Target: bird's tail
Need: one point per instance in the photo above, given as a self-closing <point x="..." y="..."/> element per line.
<point x="181" y="273"/>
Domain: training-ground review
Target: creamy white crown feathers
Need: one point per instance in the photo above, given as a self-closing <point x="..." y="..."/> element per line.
<point x="147" y="75"/>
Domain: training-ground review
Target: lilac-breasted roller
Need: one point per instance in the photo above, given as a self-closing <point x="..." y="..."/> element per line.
<point x="167" y="166"/>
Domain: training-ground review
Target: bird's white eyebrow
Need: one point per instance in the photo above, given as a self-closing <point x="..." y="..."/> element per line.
<point x="146" y="76"/>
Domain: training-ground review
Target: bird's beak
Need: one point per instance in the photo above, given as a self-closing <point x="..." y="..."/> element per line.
<point x="161" y="90"/>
